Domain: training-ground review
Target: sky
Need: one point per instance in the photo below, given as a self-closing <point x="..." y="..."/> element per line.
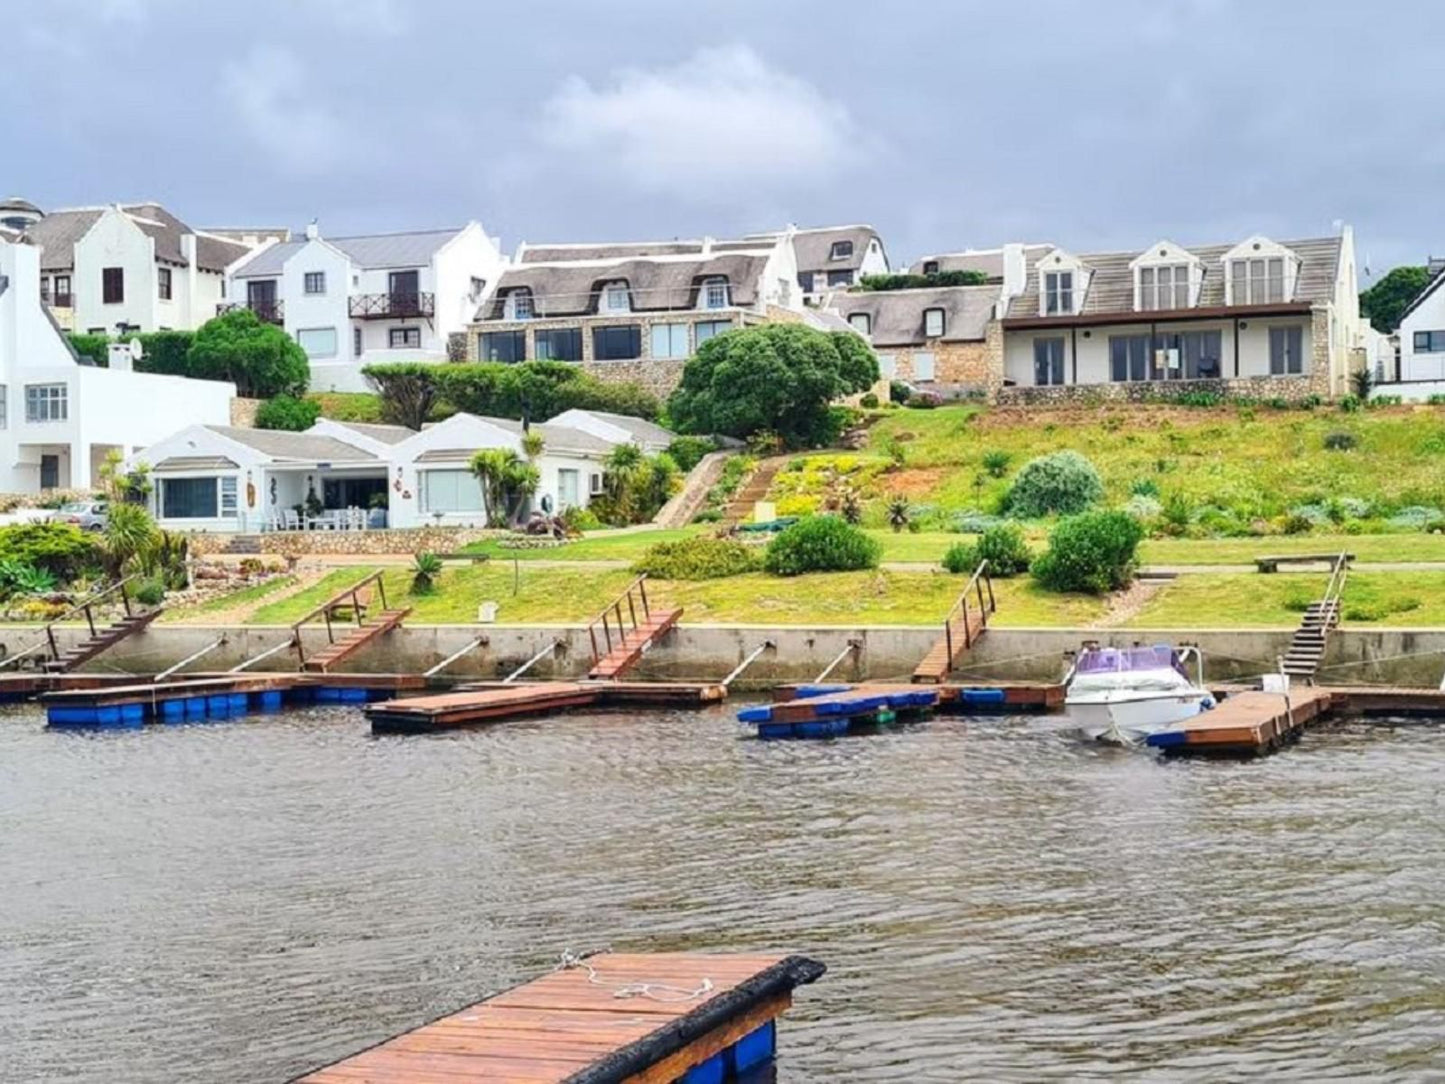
<point x="1097" y="124"/>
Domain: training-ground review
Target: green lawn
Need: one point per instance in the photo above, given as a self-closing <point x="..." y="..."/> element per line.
<point x="622" y="546"/>
<point x="1239" y="551"/>
<point x="286" y="610"/>
<point x="243" y="597"/>
<point x="1252" y="600"/>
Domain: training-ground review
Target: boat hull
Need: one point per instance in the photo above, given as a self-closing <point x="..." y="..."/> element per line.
<point x="1128" y="717"/>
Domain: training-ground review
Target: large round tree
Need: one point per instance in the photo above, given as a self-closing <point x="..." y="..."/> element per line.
<point x="259" y="358"/>
<point x="777" y="378"/>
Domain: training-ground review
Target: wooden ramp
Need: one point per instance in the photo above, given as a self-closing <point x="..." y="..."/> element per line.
<point x="962" y="628"/>
<point x="625" y="630"/>
<point x="362" y="625"/>
<point x="1247" y="722"/>
<point x="100" y="640"/>
<point x="650" y="1019"/>
<point x="54" y="661"/>
<point x="489" y="702"/>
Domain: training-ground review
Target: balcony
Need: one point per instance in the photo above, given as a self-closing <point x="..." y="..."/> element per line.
<point x="392" y="306"/>
<point x="268" y="312"/>
<point x="56" y="301"/>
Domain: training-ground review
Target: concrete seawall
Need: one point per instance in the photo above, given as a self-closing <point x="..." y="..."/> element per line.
<point x="1366" y="656"/>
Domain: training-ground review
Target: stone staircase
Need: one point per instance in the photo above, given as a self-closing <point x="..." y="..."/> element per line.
<point x="244" y="544"/>
<point x="753" y="490"/>
<point x="1307" y="647"/>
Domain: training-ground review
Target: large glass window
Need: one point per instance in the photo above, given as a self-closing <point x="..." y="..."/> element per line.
<point x="46" y="403"/>
<point x="163" y="283"/>
<point x="228" y="495"/>
<point x="840" y="278"/>
<point x="190" y="498"/>
<point x="400" y="337"/>
<point x="559" y="344"/>
<point x="451" y="491"/>
<point x="520" y="302"/>
<point x="805" y="280"/>
<point x="1049" y="361"/>
<point x="1257" y="281"/>
<point x="706" y="329"/>
<point x="1128" y="357"/>
<point x="669" y="340"/>
<point x="1286" y="351"/>
<point x="1203" y="355"/>
<point x="862" y="322"/>
<point x="112" y="285"/>
<point x="841" y="250"/>
<point x="1429" y="342"/>
<point x="615" y="297"/>
<point x="318" y="342"/>
<point x="1164" y="287"/>
<point x="617" y="343"/>
<point x="1058" y="292"/>
<point x="505" y="346"/>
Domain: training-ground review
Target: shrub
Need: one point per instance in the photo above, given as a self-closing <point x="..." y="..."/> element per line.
<point x="63" y="550"/>
<point x="1093" y="553"/>
<point x="1005" y="550"/>
<point x="924" y="400"/>
<point x="1144" y="487"/>
<point x="708" y="515"/>
<point x="1362" y="380"/>
<point x="1349" y="404"/>
<point x="699" y="558"/>
<point x="1143" y="508"/>
<point x="1295" y="523"/>
<point x="996" y="461"/>
<point x="687" y="452"/>
<point x="260" y="359"/>
<point x="973" y="522"/>
<point x="150" y="592"/>
<point x="1417" y="518"/>
<point x="17" y="578"/>
<point x="1061" y="482"/>
<point x="899" y="392"/>
<point x="1176" y="512"/>
<point x="961" y="557"/>
<point x="576" y="519"/>
<point x="821" y="544"/>
<point x="898" y="513"/>
<point x="426" y="568"/>
<point x="1340" y="441"/>
<point x="916" y="282"/>
<point x="286" y="412"/>
<point x="869" y="402"/>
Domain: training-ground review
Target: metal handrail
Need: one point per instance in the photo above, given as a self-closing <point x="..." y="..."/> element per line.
<point x="614" y="608"/>
<point x="83" y="606"/>
<point x="1335" y="589"/>
<point x="335" y="600"/>
<point x="978" y="582"/>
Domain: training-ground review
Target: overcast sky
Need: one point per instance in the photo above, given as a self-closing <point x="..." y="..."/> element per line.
<point x="1100" y="124"/>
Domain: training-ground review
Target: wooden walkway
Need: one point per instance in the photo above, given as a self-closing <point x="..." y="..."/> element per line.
<point x="648" y="1019"/>
<point x="338" y="651"/>
<point x="633" y="645"/>
<point x="965" y="623"/>
<point x="1247" y="722"/>
<point x="489" y="702"/>
<point x="625" y="630"/>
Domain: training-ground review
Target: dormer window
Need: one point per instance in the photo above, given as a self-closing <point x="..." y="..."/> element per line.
<point x="933" y="323"/>
<point x="715" y="293"/>
<point x="1165" y="287"/>
<point x="521" y="305"/>
<point x="841" y="250"/>
<point x="862" y="323"/>
<point x="930" y="267"/>
<point x="1058" y="292"/>
<point x="615" y="297"/>
<point x="1257" y="280"/>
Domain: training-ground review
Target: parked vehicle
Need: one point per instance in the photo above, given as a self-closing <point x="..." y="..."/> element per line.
<point x="1122" y="695"/>
<point x="87" y="515"/>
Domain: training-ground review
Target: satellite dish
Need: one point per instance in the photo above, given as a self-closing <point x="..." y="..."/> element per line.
<point x="136" y="351"/>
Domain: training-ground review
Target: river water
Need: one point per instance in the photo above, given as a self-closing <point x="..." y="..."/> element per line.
<point x="241" y="901"/>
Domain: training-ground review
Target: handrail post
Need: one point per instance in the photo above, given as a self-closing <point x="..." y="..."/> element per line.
<point x="381" y="590"/>
<point x="992" y="605"/>
<point x="642" y="590"/>
<point x="356" y="605"/>
<point x="631" y="609"/>
<point x="125" y="598"/>
<point x="50" y="635"/>
<point x="617" y="609"/>
<point x="90" y="619"/>
<point x="592" y="635"/>
<point x="326" y="615"/>
<point x="948" y="636"/>
<point x="967" y="632"/>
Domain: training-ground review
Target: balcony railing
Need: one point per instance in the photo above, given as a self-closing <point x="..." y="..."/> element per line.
<point x="268" y="312"/>
<point x="392" y="306"/>
<point x="56" y="301"/>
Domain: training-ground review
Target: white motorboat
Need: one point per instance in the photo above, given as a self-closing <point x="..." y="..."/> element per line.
<point x="1123" y="695"/>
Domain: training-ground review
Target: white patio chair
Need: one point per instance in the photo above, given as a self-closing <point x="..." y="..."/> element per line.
<point x="293" y="519"/>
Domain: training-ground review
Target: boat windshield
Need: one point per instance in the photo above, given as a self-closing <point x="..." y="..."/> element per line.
<point x="1116" y="660"/>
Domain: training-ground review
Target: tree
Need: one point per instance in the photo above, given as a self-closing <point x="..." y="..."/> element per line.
<point x="260" y="359"/>
<point x="778" y="378"/>
<point x="915" y="282"/>
<point x="408" y="391"/>
<point x="288" y="412"/>
<point x="506" y="480"/>
<point x="130" y="535"/>
<point x="1385" y="302"/>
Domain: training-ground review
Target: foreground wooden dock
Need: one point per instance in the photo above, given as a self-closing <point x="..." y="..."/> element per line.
<point x="1248" y="722"/>
<point x="613" y="1017"/>
<point x="485" y="702"/>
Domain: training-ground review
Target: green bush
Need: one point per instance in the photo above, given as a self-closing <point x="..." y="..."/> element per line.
<point x="1061" y="482"/>
<point x="821" y="544"/>
<point x="63" y="550"/>
<point x="869" y="402"/>
<point x="1093" y="553"/>
<point x="1005" y="550"/>
<point x="150" y="592"/>
<point x="872" y="283"/>
<point x="576" y="518"/>
<point x="687" y="452"/>
<point x="996" y="461"/>
<point x="94" y="347"/>
<point x="1340" y="441"/>
<point x="426" y="568"/>
<point x="285" y="412"/>
<point x="699" y="558"/>
<point x="961" y="557"/>
<point x="260" y="359"/>
<point x="17" y="578"/>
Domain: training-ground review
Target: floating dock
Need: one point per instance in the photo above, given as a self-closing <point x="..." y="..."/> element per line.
<point x="826" y="711"/>
<point x="605" y="1019"/>
<point x="488" y="702"/>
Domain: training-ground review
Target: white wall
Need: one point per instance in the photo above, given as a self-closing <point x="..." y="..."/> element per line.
<point x="328" y="310"/>
<point x="1429" y="315"/>
<point x="471" y="253"/>
<point x="115" y="241"/>
<point x="874" y="261"/>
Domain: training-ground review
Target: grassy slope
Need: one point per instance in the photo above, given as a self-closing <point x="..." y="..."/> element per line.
<point x="1371" y="599"/>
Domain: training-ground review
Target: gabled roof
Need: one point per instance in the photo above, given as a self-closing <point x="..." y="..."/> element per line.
<point x="638" y="428"/>
<point x="1430" y="288"/>
<point x="1111" y="280"/>
<point x="656" y="284"/>
<point x="813" y="248"/>
<point x="386" y="434"/>
<point x="558" y="438"/>
<point x="987" y="260"/>
<point x="286" y="446"/>
<point x="896" y="316"/>
<point x="58" y="232"/>
<point x="619" y="250"/>
<point x="369" y="252"/>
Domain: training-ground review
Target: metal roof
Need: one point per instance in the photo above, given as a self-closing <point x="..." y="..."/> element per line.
<point x="298" y="447"/>
<point x="369" y="252"/>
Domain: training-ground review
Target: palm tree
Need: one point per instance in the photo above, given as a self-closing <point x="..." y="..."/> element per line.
<point x="130" y="536"/>
<point x="506" y="478"/>
<point x="532" y="444"/>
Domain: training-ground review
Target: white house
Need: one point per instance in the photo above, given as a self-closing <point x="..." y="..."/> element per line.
<point x="1422" y="343"/>
<point x="127" y="267"/>
<point x="219" y="478"/>
<point x="61" y="416"/>
<point x="832" y="257"/>
<point x="357" y="301"/>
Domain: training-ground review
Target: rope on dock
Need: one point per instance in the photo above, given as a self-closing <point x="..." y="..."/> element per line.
<point x="653" y="991"/>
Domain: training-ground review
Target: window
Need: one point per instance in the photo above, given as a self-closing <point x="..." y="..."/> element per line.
<point x="841" y="250"/>
<point x="404" y="336"/>
<point x="318" y="342"/>
<point x="862" y="321"/>
<point x="188" y="498"/>
<point x="46" y="403"/>
<point x="594" y="484"/>
<point x="450" y="491"/>
<point x="520" y="302"/>
<point x="560" y="344"/>
<point x="112" y="285"/>
<point x="1199" y="353"/>
<point x="708" y="328"/>
<point x="1286" y="353"/>
<point x="356" y="342"/>
<point x="569" y="480"/>
<point x="223" y="289"/>
<point x="669" y="340"/>
<point x="933" y="323"/>
<point x="805" y="280"/>
<point x="4" y="407"/>
<point x="62" y="291"/>
<point x="478" y="285"/>
<point x="840" y="278"/>
<point x="1049" y="361"/>
<point x="715" y="293"/>
<point x="228" y="495"/>
<point x="163" y="283"/>
<point x="505" y="346"/>
<point x="617" y="343"/>
<point x="887" y="366"/>
<point x="1257" y="281"/>
<point x="1164" y="287"/>
<point x="615" y="297"/>
<point x="314" y="282"/>
<point x="923" y="366"/>
<point x="1429" y="342"/>
<point x="930" y="267"/>
<point x="1058" y="292"/>
<point x="1128" y="357"/>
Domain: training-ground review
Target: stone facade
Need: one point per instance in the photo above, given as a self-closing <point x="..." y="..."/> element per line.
<point x="313" y="543"/>
<point x="973" y="366"/>
<point x="1291" y="389"/>
<point x="243" y="412"/>
<point x="658" y="376"/>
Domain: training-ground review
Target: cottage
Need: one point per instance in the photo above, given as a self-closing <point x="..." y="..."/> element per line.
<point x="1422" y="341"/>
<point x="936" y="338"/>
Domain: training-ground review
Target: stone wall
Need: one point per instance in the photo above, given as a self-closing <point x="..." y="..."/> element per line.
<point x="975" y="366"/>
<point x="659" y="376"/>
<point x="1291" y="389"/>
<point x="312" y="543"/>
<point x="243" y="412"/>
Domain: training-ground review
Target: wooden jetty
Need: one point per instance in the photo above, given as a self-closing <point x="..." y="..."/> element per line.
<point x="488" y="702"/>
<point x="609" y="1018"/>
<point x="965" y="623"/>
<point x="1247" y="722"/>
<point x="1013" y="697"/>
<point x="625" y="637"/>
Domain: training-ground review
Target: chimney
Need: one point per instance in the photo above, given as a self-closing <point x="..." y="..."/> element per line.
<point x="1015" y="270"/>
<point x="312" y="233"/>
<point x="707" y="244"/>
